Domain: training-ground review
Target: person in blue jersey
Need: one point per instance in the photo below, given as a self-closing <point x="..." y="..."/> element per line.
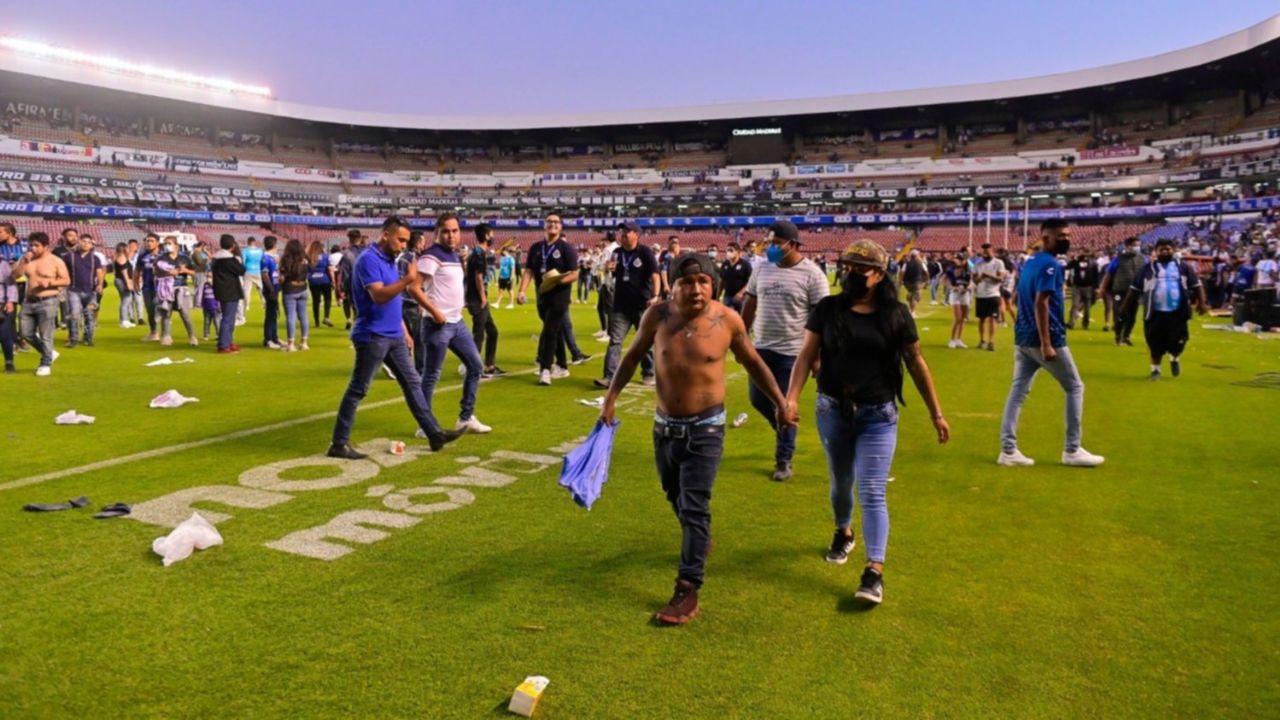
<point x="1168" y="289"/>
<point x="506" y="276"/>
<point x="252" y="258"/>
<point x="319" y="283"/>
<point x="270" y="287"/>
<point x="144" y="278"/>
<point x="379" y="336"/>
<point x="1041" y="337"/>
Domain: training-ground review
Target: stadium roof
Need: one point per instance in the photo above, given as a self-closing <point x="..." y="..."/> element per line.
<point x="1187" y="58"/>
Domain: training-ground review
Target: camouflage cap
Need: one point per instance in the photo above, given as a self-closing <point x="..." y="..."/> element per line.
<point x="866" y="252"/>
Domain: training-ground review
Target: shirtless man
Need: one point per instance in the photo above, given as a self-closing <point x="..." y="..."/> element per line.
<point x="46" y="276"/>
<point x="691" y="334"/>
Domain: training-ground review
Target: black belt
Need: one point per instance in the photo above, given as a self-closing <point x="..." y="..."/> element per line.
<point x="684" y="430"/>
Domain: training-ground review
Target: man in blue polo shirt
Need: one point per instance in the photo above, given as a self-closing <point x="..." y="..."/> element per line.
<point x="252" y="256"/>
<point x="379" y="336"/>
<point x="1041" y="336"/>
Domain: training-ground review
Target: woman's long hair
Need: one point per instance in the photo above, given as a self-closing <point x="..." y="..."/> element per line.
<point x="292" y="263"/>
<point x="888" y="307"/>
<point x="314" y="250"/>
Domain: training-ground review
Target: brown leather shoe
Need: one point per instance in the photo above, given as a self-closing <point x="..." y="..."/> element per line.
<point x="682" y="607"/>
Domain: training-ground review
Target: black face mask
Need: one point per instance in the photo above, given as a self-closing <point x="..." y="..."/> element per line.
<point x="1062" y="248"/>
<point x="854" y="285"/>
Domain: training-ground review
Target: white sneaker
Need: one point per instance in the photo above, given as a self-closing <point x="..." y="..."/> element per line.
<point x="151" y="338"/>
<point x="1082" y="458"/>
<point x="288" y="347"/>
<point x="473" y="425"/>
<point x="43" y="371"/>
<point x="126" y="325"/>
<point x="602" y="336"/>
<point x="544" y="377"/>
<point x="960" y="344"/>
<point x="304" y="345"/>
<point x="1014" y="459"/>
<point x="420" y="434"/>
<point x="558" y="372"/>
<point x="951" y="343"/>
<point x="55" y="354"/>
<point x="274" y="345"/>
<point x="193" y="342"/>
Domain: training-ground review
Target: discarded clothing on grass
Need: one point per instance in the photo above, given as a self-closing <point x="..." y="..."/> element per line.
<point x="195" y="533"/>
<point x="54" y="507"/>
<point x="171" y="399"/>
<point x="586" y="467"/>
<point x="114" y="510"/>
<point x="169" y="361"/>
<point x="71" y="417"/>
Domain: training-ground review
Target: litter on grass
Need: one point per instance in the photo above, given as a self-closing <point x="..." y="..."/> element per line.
<point x="171" y="399"/>
<point x="525" y="699"/>
<point x="195" y="533"/>
<point x="169" y="361"/>
<point x="592" y="402"/>
<point x="740" y="420"/>
<point x="71" y="417"/>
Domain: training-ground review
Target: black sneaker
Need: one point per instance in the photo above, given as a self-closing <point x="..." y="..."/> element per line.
<point x="841" y="546"/>
<point x="1175" y="367"/>
<point x="1127" y="341"/>
<point x="580" y="359"/>
<point x="345" y="452"/>
<point x="602" y="383"/>
<point x="444" y="438"/>
<point x="88" y="343"/>
<point x="1155" y="375"/>
<point x="9" y="369"/>
<point x="991" y="347"/>
<point x="495" y="371"/>
<point x="871" y="587"/>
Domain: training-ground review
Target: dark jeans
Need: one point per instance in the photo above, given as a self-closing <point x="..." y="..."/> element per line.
<point x="411" y="313"/>
<point x="780" y="366"/>
<point x="318" y="292"/>
<point x="437" y="340"/>
<point x="149" y="302"/>
<point x="551" y="342"/>
<point x="271" y="322"/>
<point x="584" y="286"/>
<point x="484" y="332"/>
<point x="227" y="325"/>
<point x="1123" y="322"/>
<point x="620" y="323"/>
<point x="687" y="466"/>
<point x="370" y="356"/>
<point x="8" y="333"/>
<point x="604" y="306"/>
<point x="570" y="341"/>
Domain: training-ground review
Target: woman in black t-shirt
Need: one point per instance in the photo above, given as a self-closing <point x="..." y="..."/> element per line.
<point x="863" y="337"/>
<point x="123" y="273"/>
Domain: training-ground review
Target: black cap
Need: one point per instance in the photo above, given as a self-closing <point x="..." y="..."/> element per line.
<point x="629" y="226"/>
<point x="692" y="264"/>
<point x="784" y="230"/>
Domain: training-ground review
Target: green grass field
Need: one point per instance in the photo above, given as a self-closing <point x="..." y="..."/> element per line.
<point x="1145" y="588"/>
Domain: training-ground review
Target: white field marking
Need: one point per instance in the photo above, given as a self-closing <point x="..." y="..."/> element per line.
<point x="170" y="449"/>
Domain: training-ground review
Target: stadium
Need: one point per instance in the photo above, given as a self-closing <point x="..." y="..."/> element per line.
<point x="418" y="569"/>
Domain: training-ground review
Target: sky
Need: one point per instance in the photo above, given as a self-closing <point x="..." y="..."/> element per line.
<point x="536" y="56"/>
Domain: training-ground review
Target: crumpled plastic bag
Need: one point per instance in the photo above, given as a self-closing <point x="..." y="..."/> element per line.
<point x="169" y="361"/>
<point x="586" y="467"/>
<point x="171" y="399"/>
<point x="71" y="417"/>
<point x="195" y="533"/>
<point x="592" y="402"/>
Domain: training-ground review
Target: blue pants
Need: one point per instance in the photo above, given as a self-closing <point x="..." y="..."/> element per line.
<point x="83" y="318"/>
<point x="370" y="356"/>
<point x="227" y="325"/>
<point x="436" y="341"/>
<point x="295" y="313"/>
<point x="271" y="321"/>
<point x="1027" y="361"/>
<point x="780" y="366"/>
<point x="37" y="323"/>
<point x="621" y="322"/>
<point x="860" y="444"/>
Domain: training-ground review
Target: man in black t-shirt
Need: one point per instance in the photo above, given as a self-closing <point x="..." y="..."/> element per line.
<point x="914" y="276"/>
<point x="636" y="287"/>
<point x="552" y="265"/>
<point x="734" y="274"/>
<point x="1082" y="274"/>
<point x="483" y="328"/>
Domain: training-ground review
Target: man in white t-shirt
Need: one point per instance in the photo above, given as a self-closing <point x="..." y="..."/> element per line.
<point x="444" y="328"/>
<point x="781" y="293"/>
<point x="988" y="275"/>
<point x="1267" y="272"/>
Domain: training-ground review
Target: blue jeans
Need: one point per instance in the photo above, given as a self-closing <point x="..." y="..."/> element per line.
<point x="621" y="322"/>
<point x="83" y="318"/>
<point x="295" y="312"/>
<point x="271" y="319"/>
<point x="370" y="356"/>
<point x="149" y="302"/>
<point x="37" y="322"/>
<point x="227" y="325"/>
<point x="860" y="443"/>
<point x="780" y="366"/>
<point x="436" y="341"/>
<point x="1027" y="361"/>
<point x="575" y="352"/>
